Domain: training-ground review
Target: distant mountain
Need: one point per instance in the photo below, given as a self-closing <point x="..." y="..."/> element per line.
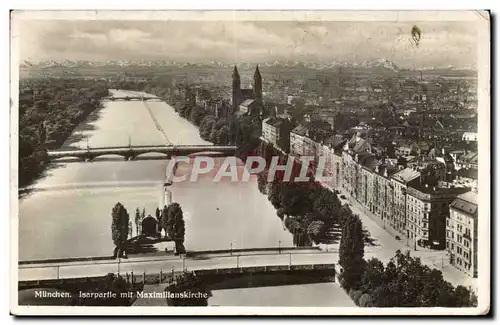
<point x="380" y="65"/>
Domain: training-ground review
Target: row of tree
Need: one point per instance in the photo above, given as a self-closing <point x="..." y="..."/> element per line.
<point x="309" y="210"/>
<point x="49" y="110"/>
<point x="170" y="219"/>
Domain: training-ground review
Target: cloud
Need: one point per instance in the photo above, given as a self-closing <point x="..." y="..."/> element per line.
<point x="442" y="43"/>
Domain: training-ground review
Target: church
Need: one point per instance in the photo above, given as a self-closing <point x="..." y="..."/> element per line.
<point x="247" y="101"/>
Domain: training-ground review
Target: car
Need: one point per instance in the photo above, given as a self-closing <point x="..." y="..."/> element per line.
<point x="343" y="197"/>
<point x="398" y="238"/>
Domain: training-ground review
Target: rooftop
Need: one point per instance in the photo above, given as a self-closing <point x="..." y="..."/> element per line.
<point x="470" y="197"/>
<point x="406" y="175"/>
<point x="466" y="202"/>
<point x="468" y="173"/>
<point x="247" y="102"/>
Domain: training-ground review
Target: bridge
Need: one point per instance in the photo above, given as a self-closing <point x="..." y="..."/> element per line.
<point x="31" y="274"/>
<point x="132" y="98"/>
<point x="133" y="152"/>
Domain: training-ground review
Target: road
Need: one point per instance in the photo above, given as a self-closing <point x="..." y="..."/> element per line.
<point x="155" y="264"/>
<point x="386" y="246"/>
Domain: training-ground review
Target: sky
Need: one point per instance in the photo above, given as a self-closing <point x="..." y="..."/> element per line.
<point x="442" y="43"/>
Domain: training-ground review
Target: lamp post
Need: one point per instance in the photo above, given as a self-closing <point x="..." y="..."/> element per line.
<point x="231" y="248"/>
<point x="279" y="246"/>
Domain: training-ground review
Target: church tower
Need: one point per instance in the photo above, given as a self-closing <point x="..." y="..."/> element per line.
<point x="257" y="84"/>
<point x="236" y="88"/>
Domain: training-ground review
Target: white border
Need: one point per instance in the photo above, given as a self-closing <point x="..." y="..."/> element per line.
<point x="484" y="170"/>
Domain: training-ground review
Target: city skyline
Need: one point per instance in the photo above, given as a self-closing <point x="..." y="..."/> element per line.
<point x="443" y="44"/>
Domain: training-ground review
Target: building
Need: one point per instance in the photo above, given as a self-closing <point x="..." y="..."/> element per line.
<point x="467" y="177"/>
<point x="297" y="140"/>
<point x="461" y="233"/>
<point x="470" y="136"/>
<point x="383" y="191"/>
<point x="468" y="160"/>
<point x="277" y="131"/>
<point x="399" y="182"/>
<point x="331" y="151"/>
<point x="248" y="107"/>
<point x="427" y="208"/>
<point x="240" y="95"/>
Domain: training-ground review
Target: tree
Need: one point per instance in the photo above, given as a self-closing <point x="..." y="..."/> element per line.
<point x="315" y="229"/>
<point x="158" y="214"/>
<point x="175" y="217"/>
<point x="119" y="228"/>
<point x="373" y="275"/>
<point x="177" y="226"/>
<point x="351" y="251"/>
<point x="137" y="221"/>
<point x="222" y="136"/>
<point x="164" y="224"/>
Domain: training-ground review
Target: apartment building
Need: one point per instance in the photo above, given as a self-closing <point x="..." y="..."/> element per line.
<point x="461" y="233"/>
<point x="427" y="208"/>
<point x="399" y="182"/>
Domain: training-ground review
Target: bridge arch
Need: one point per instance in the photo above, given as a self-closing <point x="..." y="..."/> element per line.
<point x="154" y="154"/>
<point x="109" y="156"/>
<point x="68" y="159"/>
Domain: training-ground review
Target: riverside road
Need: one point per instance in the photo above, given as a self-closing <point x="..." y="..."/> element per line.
<point x="155" y="264"/>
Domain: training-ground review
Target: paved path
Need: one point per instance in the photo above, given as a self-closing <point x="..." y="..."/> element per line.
<point x="155" y="264"/>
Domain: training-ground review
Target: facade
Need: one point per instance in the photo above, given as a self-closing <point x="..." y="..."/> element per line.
<point x="427" y="210"/>
<point x="461" y="233"/>
<point x="297" y="140"/>
<point x="240" y="95"/>
<point x="277" y="132"/>
<point x="399" y="182"/>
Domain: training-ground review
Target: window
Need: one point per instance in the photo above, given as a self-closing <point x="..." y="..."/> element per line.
<point x="459" y="250"/>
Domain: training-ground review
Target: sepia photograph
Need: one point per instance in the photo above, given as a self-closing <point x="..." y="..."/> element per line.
<point x="250" y="162"/>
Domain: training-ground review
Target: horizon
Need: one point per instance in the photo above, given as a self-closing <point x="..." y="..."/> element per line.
<point x="443" y="44"/>
<point x="334" y="64"/>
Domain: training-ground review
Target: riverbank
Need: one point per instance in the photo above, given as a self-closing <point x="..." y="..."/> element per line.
<point x="49" y="111"/>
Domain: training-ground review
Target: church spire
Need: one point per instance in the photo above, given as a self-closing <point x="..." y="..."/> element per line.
<point x="257" y="84"/>
<point x="236" y="74"/>
<point x="236" y="88"/>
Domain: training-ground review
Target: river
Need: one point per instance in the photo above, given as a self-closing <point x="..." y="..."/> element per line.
<point x="69" y="212"/>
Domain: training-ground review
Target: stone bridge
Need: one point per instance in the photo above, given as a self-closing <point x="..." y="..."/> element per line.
<point x="132" y="98"/>
<point x="133" y="152"/>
